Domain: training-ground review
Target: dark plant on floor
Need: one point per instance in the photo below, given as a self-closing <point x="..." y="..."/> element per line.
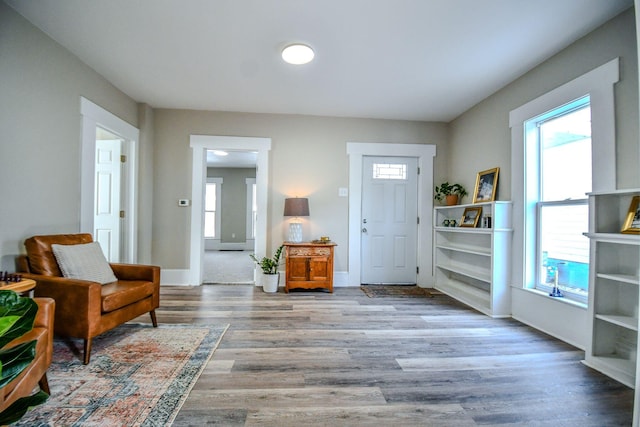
<point x="16" y="319"/>
<point x="269" y="265"/>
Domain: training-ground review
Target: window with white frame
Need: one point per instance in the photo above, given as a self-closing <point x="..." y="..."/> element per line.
<point x="212" y="204"/>
<point x="558" y="161"/>
<point x="562" y="146"/>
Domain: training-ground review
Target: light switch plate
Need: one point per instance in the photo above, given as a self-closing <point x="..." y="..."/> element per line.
<point x="343" y="192"/>
<point x="184" y="202"/>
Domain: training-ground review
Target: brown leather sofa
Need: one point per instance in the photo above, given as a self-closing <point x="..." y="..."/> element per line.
<point x="86" y="309"/>
<point x="36" y="372"/>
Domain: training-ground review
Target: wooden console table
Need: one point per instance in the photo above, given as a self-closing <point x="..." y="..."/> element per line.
<point x="309" y="265"/>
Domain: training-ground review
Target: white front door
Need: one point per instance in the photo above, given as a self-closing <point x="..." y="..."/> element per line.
<point x="389" y="224"/>
<point x="107" y="198"/>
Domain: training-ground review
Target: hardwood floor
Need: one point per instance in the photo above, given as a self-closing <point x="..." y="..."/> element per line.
<point x="344" y="359"/>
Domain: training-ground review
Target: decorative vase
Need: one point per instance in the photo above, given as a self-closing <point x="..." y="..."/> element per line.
<point x="451" y="199"/>
<point x="270" y="282"/>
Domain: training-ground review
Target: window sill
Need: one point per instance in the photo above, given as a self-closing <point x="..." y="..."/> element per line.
<point x="560" y="300"/>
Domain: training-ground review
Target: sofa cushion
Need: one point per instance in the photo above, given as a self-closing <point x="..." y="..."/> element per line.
<point x="84" y="262"/>
<point x="41" y="258"/>
<point x="124" y="292"/>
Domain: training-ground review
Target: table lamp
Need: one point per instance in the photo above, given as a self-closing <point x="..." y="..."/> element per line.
<point x="296" y="207"/>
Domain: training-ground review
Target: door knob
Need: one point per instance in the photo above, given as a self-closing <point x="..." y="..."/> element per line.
<point x="364" y="230"/>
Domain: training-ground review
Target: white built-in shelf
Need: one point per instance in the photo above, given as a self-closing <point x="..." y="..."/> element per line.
<point x="627" y="239"/>
<point x="619" y="368"/>
<point x="628" y="322"/>
<point x="614" y="284"/>
<point x="473" y="264"/>
<point x="467" y="272"/>
<point x="477" y="250"/>
<point x="622" y="278"/>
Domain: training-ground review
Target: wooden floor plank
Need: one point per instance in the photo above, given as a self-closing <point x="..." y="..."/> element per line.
<point x="344" y="359"/>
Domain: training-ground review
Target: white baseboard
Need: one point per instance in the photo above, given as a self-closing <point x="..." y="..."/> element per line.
<point x="215" y="244"/>
<point x="341" y="279"/>
<point x="174" y="277"/>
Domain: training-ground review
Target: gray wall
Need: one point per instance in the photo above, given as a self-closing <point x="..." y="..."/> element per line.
<point x="481" y="138"/>
<point x="308" y="159"/>
<point x="233" y="215"/>
<point x="40" y="88"/>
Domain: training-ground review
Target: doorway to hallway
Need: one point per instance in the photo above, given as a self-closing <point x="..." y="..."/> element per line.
<point x="227" y="267"/>
<point x="200" y="144"/>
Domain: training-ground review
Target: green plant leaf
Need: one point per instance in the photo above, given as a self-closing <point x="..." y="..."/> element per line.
<point x="15" y="359"/>
<point x="6" y="323"/>
<point x="269" y="265"/>
<point x="20" y="407"/>
<point x="12" y="305"/>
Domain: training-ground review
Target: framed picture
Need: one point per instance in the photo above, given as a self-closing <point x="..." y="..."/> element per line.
<point x="471" y="216"/>
<point x="632" y="222"/>
<point x="486" y="186"/>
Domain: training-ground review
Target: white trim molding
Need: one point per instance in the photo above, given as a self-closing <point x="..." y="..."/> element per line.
<point x="530" y="307"/>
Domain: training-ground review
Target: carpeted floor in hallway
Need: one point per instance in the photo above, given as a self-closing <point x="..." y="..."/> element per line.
<point x="228" y="267"/>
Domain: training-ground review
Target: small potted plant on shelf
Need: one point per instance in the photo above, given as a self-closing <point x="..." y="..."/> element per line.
<point x="269" y="267"/>
<point x="450" y="193"/>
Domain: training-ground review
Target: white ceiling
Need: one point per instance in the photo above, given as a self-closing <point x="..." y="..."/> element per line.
<point x="396" y="59"/>
<point x="233" y="159"/>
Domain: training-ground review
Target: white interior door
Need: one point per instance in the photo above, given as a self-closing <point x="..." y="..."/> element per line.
<point x="100" y="125"/>
<point x="389" y="225"/>
<point x="107" y="198"/>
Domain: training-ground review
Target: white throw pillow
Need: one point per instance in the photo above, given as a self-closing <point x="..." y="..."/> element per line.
<point x="84" y="262"/>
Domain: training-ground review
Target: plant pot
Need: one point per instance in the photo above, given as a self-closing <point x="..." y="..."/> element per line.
<point x="451" y="199"/>
<point x="270" y="282"/>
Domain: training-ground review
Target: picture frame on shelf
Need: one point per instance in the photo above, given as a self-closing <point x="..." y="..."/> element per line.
<point x="631" y="224"/>
<point x="471" y="216"/>
<point x="486" y="186"/>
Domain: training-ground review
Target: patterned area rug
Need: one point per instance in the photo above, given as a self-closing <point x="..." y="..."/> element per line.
<point x="138" y="376"/>
<point x="396" y="291"/>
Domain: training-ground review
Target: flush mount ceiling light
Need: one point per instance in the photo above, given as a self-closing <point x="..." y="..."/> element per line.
<point x="297" y="54"/>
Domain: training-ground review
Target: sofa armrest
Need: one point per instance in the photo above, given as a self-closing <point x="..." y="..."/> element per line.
<point x="44" y="319"/>
<point x="149" y="273"/>
<point x="75" y="299"/>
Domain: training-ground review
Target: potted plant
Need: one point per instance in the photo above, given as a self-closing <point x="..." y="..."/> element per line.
<point x="17" y="315"/>
<point x="450" y="193"/>
<point x="269" y="267"/>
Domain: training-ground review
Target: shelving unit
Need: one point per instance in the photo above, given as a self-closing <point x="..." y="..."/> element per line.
<point x="472" y="265"/>
<point x="614" y="281"/>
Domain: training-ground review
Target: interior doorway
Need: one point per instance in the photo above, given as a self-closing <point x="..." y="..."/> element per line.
<point x="108" y="208"/>
<point x="230" y="217"/>
<point x="200" y="144"/>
